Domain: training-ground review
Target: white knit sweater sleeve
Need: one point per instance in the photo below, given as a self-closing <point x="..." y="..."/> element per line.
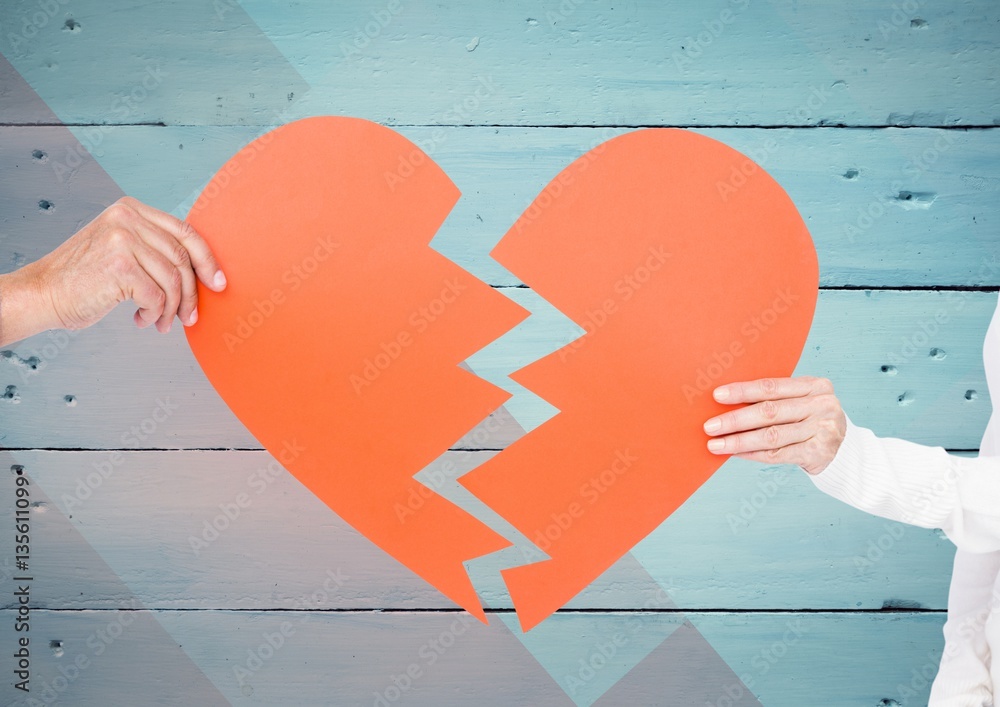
<point x="919" y="485"/>
<point x="963" y="678"/>
<point x="928" y="487"/>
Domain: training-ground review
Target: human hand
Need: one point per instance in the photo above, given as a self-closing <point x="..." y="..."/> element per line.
<point x="130" y="251"/>
<point x="788" y="421"/>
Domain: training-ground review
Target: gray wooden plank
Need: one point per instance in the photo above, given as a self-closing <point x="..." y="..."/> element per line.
<point x="929" y="222"/>
<point x="844" y="659"/>
<point x="136" y="389"/>
<point x="191" y="530"/>
<point x="135" y="62"/>
<point x="721" y="62"/>
<point x="886" y="208"/>
<point x="20" y="103"/>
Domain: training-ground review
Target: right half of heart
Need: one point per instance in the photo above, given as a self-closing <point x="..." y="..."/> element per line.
<point x="688" y="266"/>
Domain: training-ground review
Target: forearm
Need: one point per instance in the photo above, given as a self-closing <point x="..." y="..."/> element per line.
<point x="24" y="308"/>
<point x="919" y="485"/>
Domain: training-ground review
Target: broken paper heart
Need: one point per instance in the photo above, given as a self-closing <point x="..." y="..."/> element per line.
<point x="339" y="338"/>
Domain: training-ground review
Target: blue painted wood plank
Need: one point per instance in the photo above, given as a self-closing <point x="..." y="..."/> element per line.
<point x="720" y="62"/>
<point x="844" y="660"/>
<point x="124" y="62"/>
<point x="122" y="379"/>
<point x="760" y="537"/>
<point x="837" y="660"/>
<point x="886" y="208"/>
<point x="232" y="529"/>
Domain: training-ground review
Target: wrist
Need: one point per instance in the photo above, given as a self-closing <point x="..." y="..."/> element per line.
<point x="25" y="309"/>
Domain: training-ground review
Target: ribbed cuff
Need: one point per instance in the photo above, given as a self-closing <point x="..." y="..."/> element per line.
<point x="836" y="478"/>
<point x="892" y="478"/>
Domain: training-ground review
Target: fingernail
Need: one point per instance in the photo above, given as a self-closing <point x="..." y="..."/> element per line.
<point x="194" y="317"/>
<point x="220" y="280"/>
<point x="721" y="393"/>
<point x="716" y="445"/>
<point x="166" y="329"/>
<point x="713" y="425"/>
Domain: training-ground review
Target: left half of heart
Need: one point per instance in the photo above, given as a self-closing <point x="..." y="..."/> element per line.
<point x="338" y="339"/>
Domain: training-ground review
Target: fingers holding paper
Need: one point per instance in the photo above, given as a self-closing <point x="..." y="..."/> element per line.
<point x="781" y="421"/>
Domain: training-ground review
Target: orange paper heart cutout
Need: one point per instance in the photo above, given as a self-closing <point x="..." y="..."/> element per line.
<point x="338" y="340"/>
<point x="688" y="266"/>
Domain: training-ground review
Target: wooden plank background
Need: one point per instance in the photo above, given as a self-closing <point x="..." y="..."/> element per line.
<point x="879" y="118"/>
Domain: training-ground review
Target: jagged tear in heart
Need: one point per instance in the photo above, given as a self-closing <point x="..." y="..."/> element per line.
<point x="688" y="266"/>
<point x="338" y="340"/>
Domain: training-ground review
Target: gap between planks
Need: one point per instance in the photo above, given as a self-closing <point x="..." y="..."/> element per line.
<point x="261" y="449"/>
<point x="854" y="288"/>
<point x="456" y="610"/>
<point x="558" y="126"/>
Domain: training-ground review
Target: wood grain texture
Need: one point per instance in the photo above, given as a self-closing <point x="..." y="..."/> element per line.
<point x="576" y="62"/>
<point x="136" y="390"/>
<point x="154" y="60"/>
<point x="886" y="208"/>
<point x="890" y="154"/>
<point x="348" y="658"/>
<point x="234" y="530"/>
